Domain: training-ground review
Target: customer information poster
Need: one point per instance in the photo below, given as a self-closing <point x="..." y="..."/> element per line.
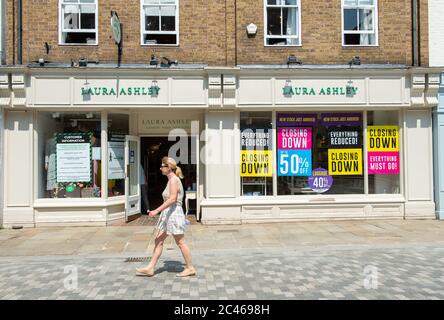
<point x="294" y="152"/>
<point x="73" y="158"/>
<point x="256" y="163"/>
<point x="345" y="162"/>
<point x="383" y="149"/>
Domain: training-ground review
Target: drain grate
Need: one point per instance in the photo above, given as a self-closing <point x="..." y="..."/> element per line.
<point x="137" y="259"/>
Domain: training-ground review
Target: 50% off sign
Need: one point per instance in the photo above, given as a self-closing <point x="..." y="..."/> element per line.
<point x="294" y="163"/>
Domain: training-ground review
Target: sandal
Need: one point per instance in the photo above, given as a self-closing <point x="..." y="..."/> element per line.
<point x="142" y="273"/>
<point x="186" y="273"/>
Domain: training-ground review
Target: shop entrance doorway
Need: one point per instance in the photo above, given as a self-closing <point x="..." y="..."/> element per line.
<point x="152" y="150"/>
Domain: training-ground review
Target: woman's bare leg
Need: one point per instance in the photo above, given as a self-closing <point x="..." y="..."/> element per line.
<point x="180" y="241"/>
<point x="157" y="252"/>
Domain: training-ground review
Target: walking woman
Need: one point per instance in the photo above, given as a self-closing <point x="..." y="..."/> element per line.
<point x="171" y="221"/>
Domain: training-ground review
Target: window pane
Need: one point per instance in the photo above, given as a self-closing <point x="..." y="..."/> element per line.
<point x="290" y="21"/>
<point x="291" y="2"/>
<point x="168" y="23"/>
<point x="152" y="11"/>
<point x="87" y="1"/>
<point x="256" y="154"/>
<point x="168" y="19"/>
<point x="350" y="2"/>
<point x="365" y="19"/>
<point x="167" y="1"/>
<point x="383" y="164"/>
<point x="88" y="17"/>
<point x="151" y="1"/>
<point x="273" y="2"/>
<point x="160" y="39"/>
<point x="350" y="19"/>
<point x="118" y="127"/>
<point x="352" y="39"/>
<point x="278" y="41"/>
<point x="366" y="2"/>
<point x="168" y="11"/>
<point x="367" y="39"/>
<point x="71" y="17"/>
<point x="152" y="18"/>
<point x="320" y="142"/>
<point x="274" y="21"/>
<point x="69" y="157"/>
<point x="79" y="37"/>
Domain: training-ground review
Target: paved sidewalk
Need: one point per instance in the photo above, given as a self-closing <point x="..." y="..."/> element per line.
<point x="324" y="273"/>
<point x="127" y="240"/>
<point x="304" y="260"/>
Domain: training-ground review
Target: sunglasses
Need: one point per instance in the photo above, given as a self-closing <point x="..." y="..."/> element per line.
<point x="164" y="166"/>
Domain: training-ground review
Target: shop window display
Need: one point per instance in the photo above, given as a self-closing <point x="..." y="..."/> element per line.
<point x="383" y="145"/>
<point x="320" y="153"/>
<point x="69" y="155"/>
<point x="256" y="163"/>
<point x="118" y="127"/>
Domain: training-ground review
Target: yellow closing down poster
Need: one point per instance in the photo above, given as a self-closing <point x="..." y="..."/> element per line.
<point x="256" y="163"/>
<point x="343" y="162"/>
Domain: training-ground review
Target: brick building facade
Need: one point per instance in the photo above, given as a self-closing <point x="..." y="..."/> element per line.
<point x="287" y="106"/>
<point x="214" y="33"/>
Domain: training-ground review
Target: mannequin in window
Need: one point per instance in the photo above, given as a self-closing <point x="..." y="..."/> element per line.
<point x="50" y="166"/>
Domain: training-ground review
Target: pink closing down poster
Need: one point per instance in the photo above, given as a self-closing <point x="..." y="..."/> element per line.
<point x="294" y="138"/>
<point x="383" y="162"/>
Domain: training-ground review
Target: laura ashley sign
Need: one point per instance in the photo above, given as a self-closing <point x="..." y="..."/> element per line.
<point x="153" y="91"/>
<point x="349" y="90"/>
<point x="149" y="124"/>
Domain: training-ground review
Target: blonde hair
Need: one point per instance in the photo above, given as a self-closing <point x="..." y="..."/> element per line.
<point x="173" y="166"/>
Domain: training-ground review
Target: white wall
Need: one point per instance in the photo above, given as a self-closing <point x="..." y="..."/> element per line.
<point x="436" y="32"/>
<point x="17" y="171"/>
<point x="220" y="156"/>
<point x="418" y="159"/>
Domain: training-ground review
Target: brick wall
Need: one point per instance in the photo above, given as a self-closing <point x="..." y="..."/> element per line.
<point x="202" y="33"/>
<point x="424" y="31"/>
<point x="322" y="35"/>
<point x="207" y="34"/>
<point x="9" y="32"/>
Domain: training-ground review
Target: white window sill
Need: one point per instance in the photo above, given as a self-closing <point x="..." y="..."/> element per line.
<point x="282" y="45"/>
<point x="78" y="44"/>
<point x="78" y="202"/>
<point x="360" y="46"/>
<point x="159" y="45"/>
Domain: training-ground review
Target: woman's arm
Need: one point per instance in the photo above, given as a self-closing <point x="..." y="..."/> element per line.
<point x="173" y="190"/>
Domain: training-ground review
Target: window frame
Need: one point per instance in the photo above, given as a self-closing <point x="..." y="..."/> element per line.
<point x="365" y="195"/>
<point x="299" y="25"/>
<point x="62" y="3"/>
<point x="143" y="32"/>
<point x="375" y="31"/>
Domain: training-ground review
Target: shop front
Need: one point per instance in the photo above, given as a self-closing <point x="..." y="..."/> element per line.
<point x="255" y="144"/>
<point x="86" y="145"/>
<point x="320" y="144"/>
